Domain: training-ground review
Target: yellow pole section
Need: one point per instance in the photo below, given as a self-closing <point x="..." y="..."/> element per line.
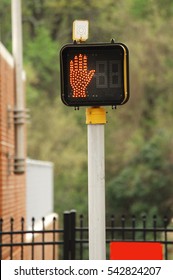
<point x="95" y="120"/>
<point x="95" y="115"/>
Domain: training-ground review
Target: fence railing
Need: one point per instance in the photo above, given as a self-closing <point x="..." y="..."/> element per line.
<point x="71" y="241"/>
<point x="128" y="229"/>
<point x="26" y="243"/>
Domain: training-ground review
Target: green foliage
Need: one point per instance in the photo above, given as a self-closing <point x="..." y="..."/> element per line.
<point x="41" y="55"/>
<point x="5" y="23"/>
<point x="146" y="9"/>
<point x="138" y="188"/>
<point x="141" y="8"/>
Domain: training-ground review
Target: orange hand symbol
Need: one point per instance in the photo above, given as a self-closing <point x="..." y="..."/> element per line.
<point x="80" y="77"/>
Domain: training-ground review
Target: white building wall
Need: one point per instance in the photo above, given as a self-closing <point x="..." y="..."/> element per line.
<point x="39" y="189"/>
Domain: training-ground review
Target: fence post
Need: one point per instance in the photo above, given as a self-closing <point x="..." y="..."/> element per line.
<point x="1" y="228"/>
<point x="66" y="235"/>
<point x="73" y="234"/>
<point x="69" y="235"/>
<point x="165" y="220"/>
<point x="11" y="238"/>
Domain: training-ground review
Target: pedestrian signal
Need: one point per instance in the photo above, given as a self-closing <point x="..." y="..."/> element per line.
<point x="94" y="74"/>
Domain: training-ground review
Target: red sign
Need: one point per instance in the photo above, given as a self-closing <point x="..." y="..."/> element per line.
<point x="136" y="251"/>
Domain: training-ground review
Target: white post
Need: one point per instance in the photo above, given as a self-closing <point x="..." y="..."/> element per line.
<point x="96" y="186"/>
<point x="19" y="112"/>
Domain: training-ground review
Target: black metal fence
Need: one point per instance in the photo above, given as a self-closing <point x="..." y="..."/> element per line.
<point x="16" y="240"/>
<point x="71" y="242"/>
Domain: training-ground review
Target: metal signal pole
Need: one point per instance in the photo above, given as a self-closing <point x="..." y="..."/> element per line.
<point x="95" y="120"/>
<point x="20" y="111"/>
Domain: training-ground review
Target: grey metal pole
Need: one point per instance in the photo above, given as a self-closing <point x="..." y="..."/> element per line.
<point x="96" y="185"/>
<point x="19" y="112"/>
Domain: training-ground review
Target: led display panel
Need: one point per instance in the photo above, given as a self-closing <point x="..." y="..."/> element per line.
<point x="94" y="74"/>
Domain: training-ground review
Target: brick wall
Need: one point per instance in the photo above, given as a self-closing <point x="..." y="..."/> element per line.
<point x="12" y="186"/>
